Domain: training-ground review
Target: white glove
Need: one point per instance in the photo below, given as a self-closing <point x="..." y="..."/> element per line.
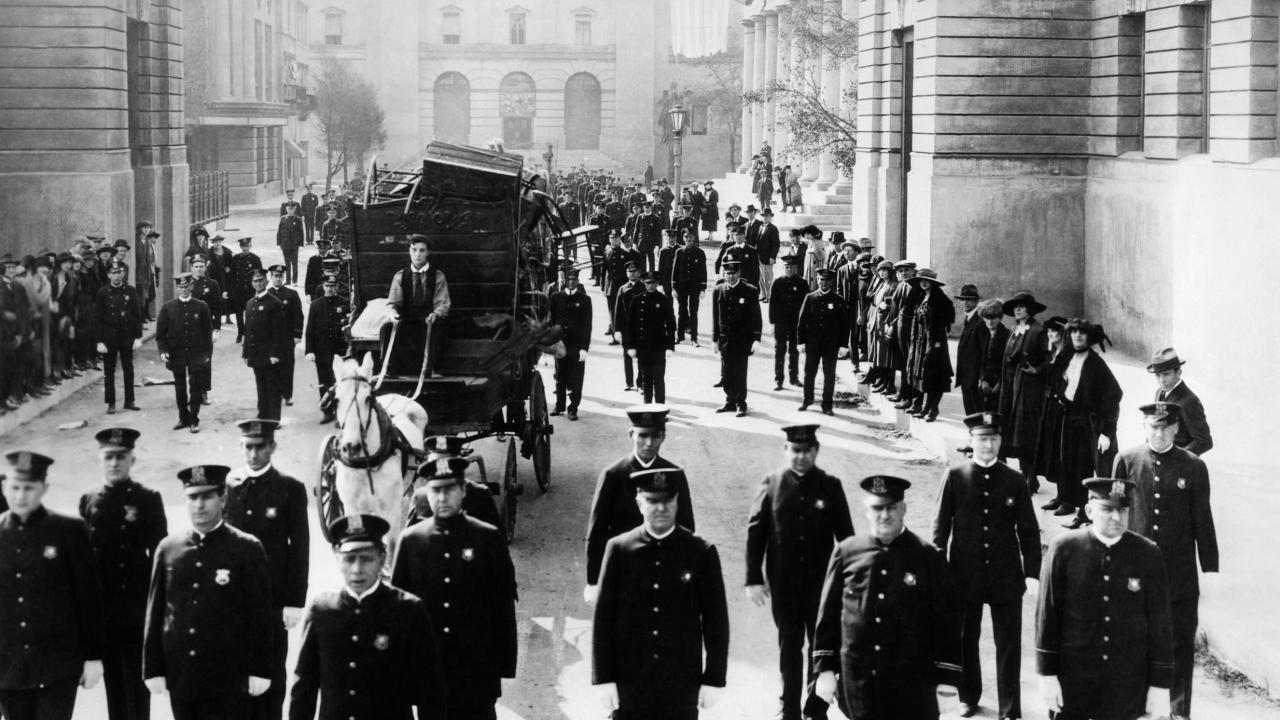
<point x="590" y="593"/>
<point x="825" y="686"/>
<point x="157" y="685"/>
<point x="582" y="356"/>
<point x="275" y="361"/>
<point x="608" y="695"/>
<point x="164" y="357"/>
<point x="102" y="348"/>
<point x="93" y="673"/>
<point x="709" y="696"/>
<point x="631" y="353"/>
<point x="758" y="595"/>
<point x="1158" y="702"/>
<point x="258" y="685"/>
<point x="617" y="336"/>
<point x="137" y="343"/>
<point x="311" y="357"/>
<point x="291" y="617"/>
<point x="431" y="319"/>
<point x="668" y="354"/>
<point x="1104" y="443"/>
<point x="754" y="345"/>
<point x="1051" y="692"/>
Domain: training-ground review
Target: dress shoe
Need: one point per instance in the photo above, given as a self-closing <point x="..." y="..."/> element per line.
<point x="614" y="342"/>
<point x="195" y="428"/>
<point x="111" y="408"/>
<point x="967" y="710"/>
<point x="902" y="404"/>
<point x="181" y="425"/>
<point x="1053" y="504"/>
<point x="9" y="405"/>
<point x="205" y="400"/>
<point x="828" y="411"/>
<point x="804" y="406"/>
<point x="1076" y="523"/>
<point x="131" y="406"/>
<point x="931" y="416"/>
<point x="288" y="401"/>
<point x="697" y="344"/>
<point x="629" y="388"/>
<point x="719" y="384"/>
<point x="727" y="407"/>
<point x="573" y="415"/>
<point x="795" y="382"/>
<point x="1064" y="509"/>
<point x="742" y="411"/>
<point x="777" y="388"/>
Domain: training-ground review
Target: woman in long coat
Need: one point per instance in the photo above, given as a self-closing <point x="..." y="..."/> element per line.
<point x="1022" y="392"/>
<point x="1048" y="464"/>
<point x="795" y="195"/>
<point x="1090" y="398"/>
<point x="929" y="361"/>
<point x="883" y="349"/>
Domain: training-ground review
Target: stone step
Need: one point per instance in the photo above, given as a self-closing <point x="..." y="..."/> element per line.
<point x="825" y="209"/>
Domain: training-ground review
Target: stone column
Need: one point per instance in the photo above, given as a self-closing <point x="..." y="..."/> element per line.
<point x="220" y="16"/>
<point x="783" y="76"/>
<point x="830" y="94"/>
<point x="848" y="86"/>
<point x="748" y="84"/>
<point x="758" y="78"/>
<point x="802" y="68"/>
<point x="770" y="77"/>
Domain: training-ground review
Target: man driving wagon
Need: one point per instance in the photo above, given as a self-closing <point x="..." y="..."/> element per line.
<point x="419" y="300"/>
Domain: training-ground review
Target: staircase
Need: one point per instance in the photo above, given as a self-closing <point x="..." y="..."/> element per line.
<point x="831" y="209"/>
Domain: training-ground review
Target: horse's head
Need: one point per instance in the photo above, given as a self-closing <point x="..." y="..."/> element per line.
<point x="353" y="390"/>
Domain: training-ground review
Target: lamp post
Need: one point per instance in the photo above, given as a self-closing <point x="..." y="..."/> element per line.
<point x="547" y="157"/>
<point x="678" y="116"/>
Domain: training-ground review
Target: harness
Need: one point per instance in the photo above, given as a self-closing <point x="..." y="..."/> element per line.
<point x="386" y="433"/>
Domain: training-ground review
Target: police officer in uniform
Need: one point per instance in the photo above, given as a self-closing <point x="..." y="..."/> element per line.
<point x="613" y="507"/>
<point x="272" y="507"/>
<point x="887" y="622"/>
<point x="650" y="337"/>
<point x="209" y="639"/>
<point x="1103" y="632"/>
<point x="184" y="336"/>
<point x="985" y="521"/>
<point x="735" y="330"/>
<point x="462" y="570"/>
<point x="325" y="339"/>
<point x="50" y="599"/>
<point x="786" y="297"/>
<point x="244" y="265"/>
<point x="206" y="289"/>
<point x="307" y="209"/>
<point x="291" y="234"/>
<point x="798" y="516"/>
<point x="292" y="303"/>
<point x="331" y="227"/>
<point x="571" y="310"/>
<point x="314" y="274"/>
<point x="1171" y="508"/>
<point x="267" y="340"/>
<point x="823" y="327"/>
<point x="626" y="293"/>
<point x="689" y="281"/>
<point x="289" y="203"/>
<point x="597" y="241"/>
<point x="662" y="605"/>
<point x="126" y="522"/>
<point x="368" y="650"/>
<point x="118" y="327"/>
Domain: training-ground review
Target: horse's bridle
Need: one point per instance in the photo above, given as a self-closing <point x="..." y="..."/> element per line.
<point x="366" y="461"/>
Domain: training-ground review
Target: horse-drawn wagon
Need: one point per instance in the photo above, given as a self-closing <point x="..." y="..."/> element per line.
<point x="494" y="237"/>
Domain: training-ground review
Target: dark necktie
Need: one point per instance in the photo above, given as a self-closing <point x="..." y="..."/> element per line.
<point x="1163" y="394"/>
<point x="419" y="288"/>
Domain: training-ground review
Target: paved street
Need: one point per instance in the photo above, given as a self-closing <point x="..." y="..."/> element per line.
<point x="725" y="457"/>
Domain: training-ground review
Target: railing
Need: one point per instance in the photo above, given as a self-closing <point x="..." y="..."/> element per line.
<point x="210" y="197"/>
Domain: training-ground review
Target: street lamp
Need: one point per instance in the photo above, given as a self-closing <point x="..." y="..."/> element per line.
<point x="678" y="116"/>
<point x="547" y="157"/>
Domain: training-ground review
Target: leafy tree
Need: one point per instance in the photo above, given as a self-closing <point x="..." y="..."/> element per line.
<point x="718" y="86"/>
<point x="347" y="115"/>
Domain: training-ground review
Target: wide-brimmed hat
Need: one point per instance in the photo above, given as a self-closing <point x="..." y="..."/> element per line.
<point x="968" y="292"/>
<point x="1023" y="297"/>
<point x="1166" y="359"/>
<point x="925" y="274"/>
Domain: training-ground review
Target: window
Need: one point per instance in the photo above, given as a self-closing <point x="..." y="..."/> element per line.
<point x="517" y="102"/>
<point x="582" y="112"/>
<point x="582" y="29"/>
<point x="451" y="26"/>
<point x="698" y="119"/>
<point x="333" y="27"/>
<point x="517" y="23"/>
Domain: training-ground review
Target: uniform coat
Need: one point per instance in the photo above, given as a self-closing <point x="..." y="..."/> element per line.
<point x="209" y="292"/>
<point x="735" y="326"/>
<point x="661" y="606"/>
<point x="462" y="570"/>
<point x="375" y="664"/>
<point x="272" y="507"/>
<point x="117" y="323"/>
<point x="689" y="281"/>
<point x="240" y="285"/>
<point x="292" y="303"/>
<point x="651" y="332"/>
<point x="614" y="510"/>
<point x="746" y="255"/>
<point x="1193" y="432"/>
<point x="210" y="624"/>
<point x="888" y="625"/>
<point x="824" y="330"/>
<point x="786" y="296"/>
<point x="666" y="267"/>
<point x="1102" y="623"/>
<point x="307" y="209"/>
<point x="572" y="312"/>
<point x="266" y="336"/>
<point x="184" y="330"/>
<point x="325" y="335"/>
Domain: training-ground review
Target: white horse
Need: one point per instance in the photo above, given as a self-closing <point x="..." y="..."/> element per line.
<point x="370" y="467"/>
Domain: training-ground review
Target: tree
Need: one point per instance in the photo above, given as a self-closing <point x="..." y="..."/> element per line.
<point x="719" y="89"/>
<point x="347" y="115"/>
<point x="814" y="125"/>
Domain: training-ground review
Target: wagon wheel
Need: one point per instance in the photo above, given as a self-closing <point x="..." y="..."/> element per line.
<point x="540" y="433"/>
<point x="328" y="505"/>
<point x="507" y="494"/>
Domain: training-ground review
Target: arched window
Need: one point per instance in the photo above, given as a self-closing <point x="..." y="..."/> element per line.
<point x="582" y="112"/>
<point x="452" y="99"/>
<point x="517" y="100"/>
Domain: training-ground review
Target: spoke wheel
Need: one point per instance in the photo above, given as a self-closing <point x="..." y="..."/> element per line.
<point x="328" y="505"/>
<point x="510" y="491"/>
<point x="541" y="431"/>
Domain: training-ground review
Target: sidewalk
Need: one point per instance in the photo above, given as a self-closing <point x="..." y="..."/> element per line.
<point x="1236" y="604"/>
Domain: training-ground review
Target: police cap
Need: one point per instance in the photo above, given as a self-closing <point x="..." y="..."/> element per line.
<point x="649" y="415"/>
<point x="807" y="434"/>
<point x="203" y="477"/>
<point x="983" y="423"/>
<point x="358" y="532"/>
<point x="1109" y="489"/>
<point x="1163" y="413"/>
<point x="28" y="465"/>
<point x="886" y="486"/>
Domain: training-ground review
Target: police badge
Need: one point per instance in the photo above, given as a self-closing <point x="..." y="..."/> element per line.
<point x="130" y="513"/>
<point x="909" y="579"/>
<point x="1182" y="483"/>
<point x="686" y="576"/>
<point x="382" y="642"/>
<point x="50" y="552"/>
<point x="742" y="301"/>
<point x="222" y="576"/>
<point x="1008" y="502"/>
<point x="819" y="503"/>
<point x="468" y="554"/>
<point x="271" y="513"/>
<point x="1135" y="584"/>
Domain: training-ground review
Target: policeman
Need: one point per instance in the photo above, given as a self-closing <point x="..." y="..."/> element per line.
<point x="267" y="340"/>
<point x="206" y="289"/>
<point x="448" y="452"/>
<point x="887" y="622"/>
<point x="786" y="296"/>
<point x="662" y="604"/>
<point x="338" y="266"/>
<point x="823" y="327"/>
<point x="651" y="337"/>
<point x="307" y="209"/>
<point x="613" y="507"/>
<point x="209" y="639"/>
<point x="648" y="234"/>
<point x="368" y="650"/>
<point x="291" y="234"/>
<point x="1171" y="508"/>
<point x="184" y="336"/>
<point x="289" y="203"/>
<point x="325" y="338"/>
<point x="462" y="570"/>
<point x="288" y="297"/>
<point x="627" y="292"/>
<point x="315" y="270"/>
<point x="984" y="520"/>
<point x="50" y="599"/>
<point x="1103" y="635"/>
<point x="667" y="261"/>
<point x="689" y="282"/>
<point x="272" y="507"/>
<point x="597" y="241"/>
<point x="118" y="326"/>
<point x="240" y="287"/>
<point x="798" y="516"/>
<point x="126" y="522"/>
<point x="614" y="276"/>
<point x="571" y="310"/>
<point x="735" y="330"/>
<point x="331" y="228"/>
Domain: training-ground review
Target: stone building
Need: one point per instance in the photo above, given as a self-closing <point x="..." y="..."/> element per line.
<point x="91" y="123"/>
<point x="246" y="93"/>
<point x="586" y="76"/>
